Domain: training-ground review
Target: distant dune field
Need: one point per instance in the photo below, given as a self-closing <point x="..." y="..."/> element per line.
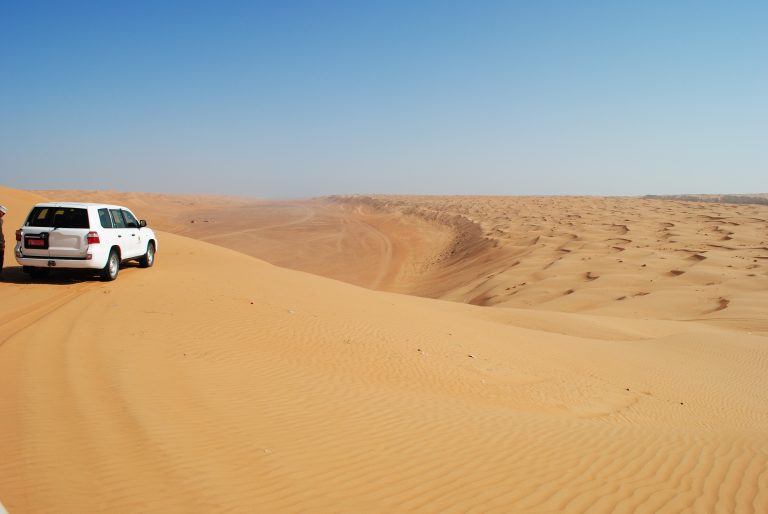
<point x="597" y="355"/>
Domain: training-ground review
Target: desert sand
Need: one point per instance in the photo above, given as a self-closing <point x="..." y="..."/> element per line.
<point x="550" y="355"/>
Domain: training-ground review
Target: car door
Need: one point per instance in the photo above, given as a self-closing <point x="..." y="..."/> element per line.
<point x="121" y="233"/>
<point x="134" y="234"/>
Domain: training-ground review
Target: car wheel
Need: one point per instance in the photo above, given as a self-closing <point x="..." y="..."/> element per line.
<point x="148" y="259"/>
<point x="112" y="267"/>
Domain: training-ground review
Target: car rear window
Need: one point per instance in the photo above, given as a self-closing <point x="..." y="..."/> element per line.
<point x="38" y="217"/>
<point x="58" y="217"/>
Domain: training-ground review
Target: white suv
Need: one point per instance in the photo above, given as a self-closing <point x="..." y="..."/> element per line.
<point x="83" y="235"/>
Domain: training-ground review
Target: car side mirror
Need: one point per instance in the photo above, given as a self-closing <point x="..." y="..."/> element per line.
<point x="143" y="223"/>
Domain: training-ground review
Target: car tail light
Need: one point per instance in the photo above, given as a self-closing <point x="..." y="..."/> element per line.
<point x="18" y="235"/>
<point x="93" y="238"/>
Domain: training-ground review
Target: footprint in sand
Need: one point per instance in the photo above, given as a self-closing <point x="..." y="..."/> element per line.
<point x="722" y="303"/>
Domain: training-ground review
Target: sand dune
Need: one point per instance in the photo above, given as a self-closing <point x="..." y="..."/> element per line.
<point x="616" y="256"/>
<point x="216" y="382"/>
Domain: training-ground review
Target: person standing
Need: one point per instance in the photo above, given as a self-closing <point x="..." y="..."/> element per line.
<point x="3" y="210"/>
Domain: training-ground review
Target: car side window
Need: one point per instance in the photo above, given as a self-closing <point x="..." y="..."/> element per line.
<point x="117" y="218"/>
<point x="106" y="221"/>
<point x="130" y="220"/>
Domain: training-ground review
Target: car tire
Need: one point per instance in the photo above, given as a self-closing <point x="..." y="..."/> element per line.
<point x="148" y="259"/>
<point x="112" y="268"/>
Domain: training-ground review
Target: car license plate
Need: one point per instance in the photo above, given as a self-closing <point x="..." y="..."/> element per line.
<point x="37" y="241"/>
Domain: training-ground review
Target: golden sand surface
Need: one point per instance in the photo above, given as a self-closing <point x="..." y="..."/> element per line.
<point x="599" y="355"/>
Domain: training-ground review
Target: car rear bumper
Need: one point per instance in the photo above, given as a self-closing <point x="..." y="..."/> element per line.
<point x="41" y="262"/>
<point x="97" y="261"/>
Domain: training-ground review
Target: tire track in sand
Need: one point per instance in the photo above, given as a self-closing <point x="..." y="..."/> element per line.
<point x="308" y="214"/>
<point x="19" y="319"/>
<point x="382" y="240"/>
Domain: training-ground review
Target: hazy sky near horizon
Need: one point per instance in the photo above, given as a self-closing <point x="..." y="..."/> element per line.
<point x="294" y="99"/>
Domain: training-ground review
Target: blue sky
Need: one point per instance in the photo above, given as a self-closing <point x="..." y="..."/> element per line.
<point x="294" y="99"/>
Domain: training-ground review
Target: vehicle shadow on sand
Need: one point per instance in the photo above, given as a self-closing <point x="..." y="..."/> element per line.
<point x="61" y="277"/>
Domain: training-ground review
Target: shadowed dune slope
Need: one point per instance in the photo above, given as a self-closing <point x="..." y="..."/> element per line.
<point x="215" y="382"/>
<point x="615" y="256"/>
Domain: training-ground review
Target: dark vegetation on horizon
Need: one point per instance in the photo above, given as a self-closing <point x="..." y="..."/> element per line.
<point x="761" y="199"/>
